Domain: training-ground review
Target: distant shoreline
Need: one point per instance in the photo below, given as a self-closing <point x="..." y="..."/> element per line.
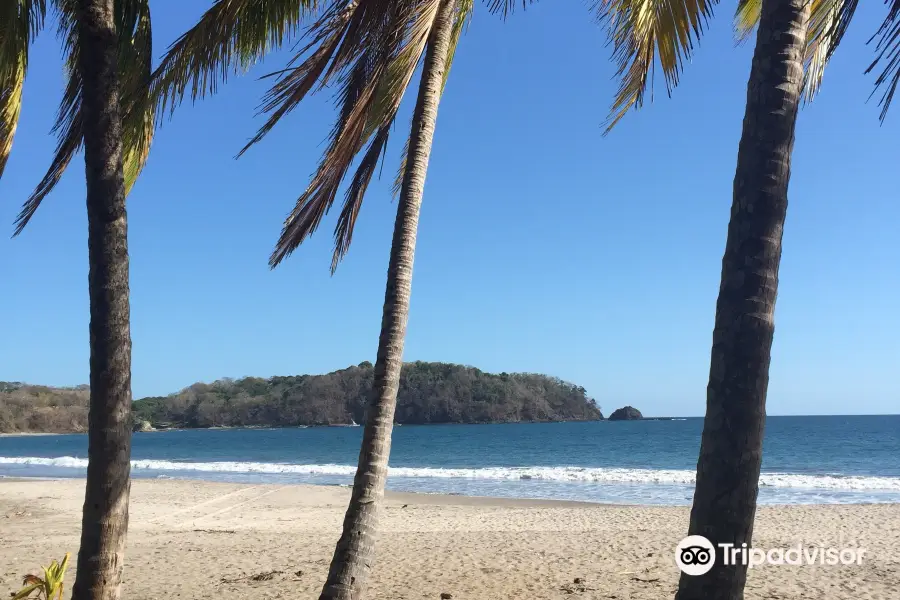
<point x="347" y="425"/>
<point x="334" y="426"/>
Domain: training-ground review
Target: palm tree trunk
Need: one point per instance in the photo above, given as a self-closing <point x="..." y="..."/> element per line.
<point x="355" y="551"/>
<point x="105" y="517"/>
<point x="731" y="446"/>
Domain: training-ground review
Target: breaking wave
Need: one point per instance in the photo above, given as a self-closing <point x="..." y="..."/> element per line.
<point x="561" y="474"/>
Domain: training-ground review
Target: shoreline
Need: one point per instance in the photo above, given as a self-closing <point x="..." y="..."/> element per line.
<point x="434" y="498"/>
<point x="393" y="496"/>
<point x="196" y="538"/>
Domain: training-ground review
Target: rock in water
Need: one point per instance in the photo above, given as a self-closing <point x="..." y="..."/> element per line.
<point x="143" y="426"/>
<point x="627" y="413"/>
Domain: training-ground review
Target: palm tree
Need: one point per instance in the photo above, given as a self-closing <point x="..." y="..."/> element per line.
<point x="371" y="49"/>
<point x="355" y="550"/>
<point x="794" y="41"/>
<point x="731" y="445"/>
<point x="108" y="49"/>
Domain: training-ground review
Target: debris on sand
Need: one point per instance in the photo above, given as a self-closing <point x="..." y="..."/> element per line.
<point x="264" y="576"/>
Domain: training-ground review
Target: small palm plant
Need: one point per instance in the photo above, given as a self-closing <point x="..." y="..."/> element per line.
<point x="50" y="587"/>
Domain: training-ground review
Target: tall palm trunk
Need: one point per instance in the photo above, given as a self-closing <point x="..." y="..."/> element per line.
<point x="105" y="516"/>
<point x="354" y="554"/>
<point x="731" y="446"/>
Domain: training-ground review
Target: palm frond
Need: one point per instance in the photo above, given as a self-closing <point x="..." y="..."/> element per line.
<point x="134" y="60"/>
<point x="461" y="21"/>
<point x="136" y="69"/>
<point x="746" y="18"/>
<point x="229" y="38"/>
<point x="294" y="83"/>
<point x="10" y="108"/>
<point x="888" y="49"/>
<point x="371" y="92"/>
<point x="506" y="7"/>
<point x="26" y="591"/>
<point x="319" y="196"/>
<point x="828" y="21"/>
<point x="343" y="231"/>
<point x="68" y="124"/>
<point x="389" y="94"/>
<point x="21" y="21"/>
<point x="644" y="32"/>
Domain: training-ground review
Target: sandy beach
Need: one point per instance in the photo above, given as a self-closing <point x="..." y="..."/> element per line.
<point x="190" y="539"/>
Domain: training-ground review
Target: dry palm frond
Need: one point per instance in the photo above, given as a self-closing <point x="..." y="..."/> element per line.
<point x="888" y="49"/>
<point x="295" y="82"/>
<point x="21" y="21"/>
<point x="229" y="38"/>
<point x="644" y="31"/>
<point x="828" y="22"/>
<point x="386" y="102"/>
<point x="134" y="58"/>
<point x="386" y="41"/>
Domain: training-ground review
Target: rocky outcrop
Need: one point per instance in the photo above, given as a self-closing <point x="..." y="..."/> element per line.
<point x="626" y="413"/>
<point x="143" y="426"/>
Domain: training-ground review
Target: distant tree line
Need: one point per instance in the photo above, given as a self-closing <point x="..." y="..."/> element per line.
<point x="27" y="408"/>
<point x="429" y="393"/>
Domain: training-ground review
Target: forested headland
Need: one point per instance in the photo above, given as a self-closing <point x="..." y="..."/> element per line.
<point x="429" y="393"/>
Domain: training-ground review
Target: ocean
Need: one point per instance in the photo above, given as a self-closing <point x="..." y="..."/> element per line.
<point x="807" y="460"/>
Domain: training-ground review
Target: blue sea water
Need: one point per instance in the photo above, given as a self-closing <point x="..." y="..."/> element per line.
<point x="833" y="459"/>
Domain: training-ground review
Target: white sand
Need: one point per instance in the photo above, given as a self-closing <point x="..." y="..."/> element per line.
<point x="204" y="540"/>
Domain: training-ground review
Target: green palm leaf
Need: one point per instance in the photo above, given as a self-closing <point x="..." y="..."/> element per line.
<point x="26" y="591"/>
<point x="644" y="32"/>
<point x="67" y="126"/>
<point x="229" y="38"/>
<point x="368" y="49"/>
<point x="135" y="68"/>
<point x="22" y="20"/>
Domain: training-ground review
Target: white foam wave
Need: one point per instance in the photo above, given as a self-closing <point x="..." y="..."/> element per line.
<point x="560" y="474"/>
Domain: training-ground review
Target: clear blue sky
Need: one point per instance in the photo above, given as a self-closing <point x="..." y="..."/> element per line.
<point x="543" y="246"/>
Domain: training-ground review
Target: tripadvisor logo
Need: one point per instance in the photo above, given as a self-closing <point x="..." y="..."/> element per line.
<point x="696" y="555"/>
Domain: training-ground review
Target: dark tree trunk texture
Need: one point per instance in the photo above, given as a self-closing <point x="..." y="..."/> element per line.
<point x="731" y="446"/>
<point x="105" y="518"/>
<point x="355" y="551"/>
